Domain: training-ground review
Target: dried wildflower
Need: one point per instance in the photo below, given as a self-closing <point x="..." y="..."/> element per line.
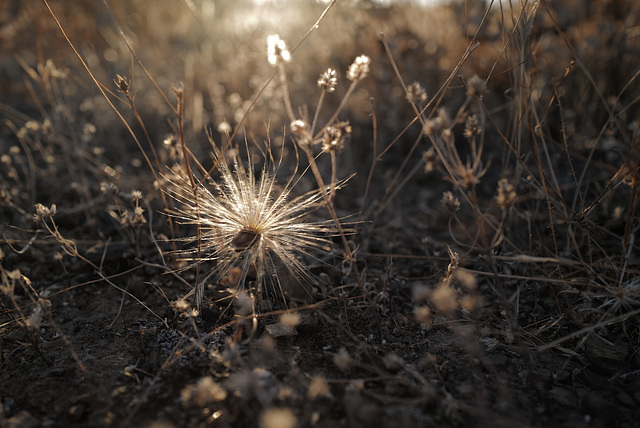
<point x="278" y="418"/>
<point x="416" y="93"/>
<point x="318" y="388"/>
<point x="430" y="159"/>
<point x="444" y="299"/>
<point x="224" y="127"/>
<point x="247" y="221"/>
<point x="109" y="188"/>
<point x="43" y="211"/>
<point x="471" y="126"/>
<point x="506" y="193"/>
<point x="333" y="138"/>
<point x="299" y="127"/>
<point x="277" y="50"/>
<point x="393" y="362"/>
<point x="359" y="69"/>
<point x="122" y="83"/>
<point x="469" y="176"/>
<point x="204" y="392"/>
<point x="476" y="87"/>
<point x="131" y="218"/>
<point x="422" y="314"/>
<point x="328" y="80"/>
<point x="290" y="319"/>
<point x="444" y="119"/>
<point x="136" y="195"/>
<point x="343" y="360"/>
<point x="450" y="202"/>
<point x="180" y="305"/>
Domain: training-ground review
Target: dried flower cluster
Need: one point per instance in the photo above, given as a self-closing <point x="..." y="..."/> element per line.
<point x="328" y="80"/>
<point x="359" y="69"/>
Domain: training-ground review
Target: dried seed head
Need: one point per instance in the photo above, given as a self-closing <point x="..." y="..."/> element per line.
<point x="122" y="83"/>
<point x="476" y="87"/>
<point x="109" y="188"/>
<point x="290" y="319"/>
<point x="43" y="211"/>
<point x="224" y="127"/>
<point x="444" y="299"/>
<point x="430" y="159"/>
<point x="444" y="119"/>
<point x="472" y="126"/>
<point x="359" y="69"/>
<point x="203" y="393"/>
<point x="343" y="360"/>
<point x="299" y="127"/>
<point x="278" y="418"/>
<point x="333" y="139"/>
<point x="328" y="80"/>
<point x="318" y="388"/>
<point x="416" y="93"/>
<point x="422" y="314"/>
<point x="277" y="50"/>
<point x="248" y="222"/>
<point x="506" y="193"/>
<point x="450" y="202"/>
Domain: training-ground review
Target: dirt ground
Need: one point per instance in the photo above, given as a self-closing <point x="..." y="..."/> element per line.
<point x="90" y="333"/>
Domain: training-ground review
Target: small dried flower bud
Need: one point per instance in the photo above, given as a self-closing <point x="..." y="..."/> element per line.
<point x="277" y="50"/>
<point x="328" y="80"/>
<point x="450" y="201"/>
<point x="506" y="193"/>
<point x="416" y="93"/>
<point x="360" y="68"/>
<point x="136" y="195"/>
<point x="122" y="83"/>
<point x="476" y="87"/>
<point x="471" y="126"/>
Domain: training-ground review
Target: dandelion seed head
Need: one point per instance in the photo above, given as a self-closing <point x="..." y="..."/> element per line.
<point x="248" y="221"/>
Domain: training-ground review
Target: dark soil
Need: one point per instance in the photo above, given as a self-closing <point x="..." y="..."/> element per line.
<point x="82" y="347"/>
